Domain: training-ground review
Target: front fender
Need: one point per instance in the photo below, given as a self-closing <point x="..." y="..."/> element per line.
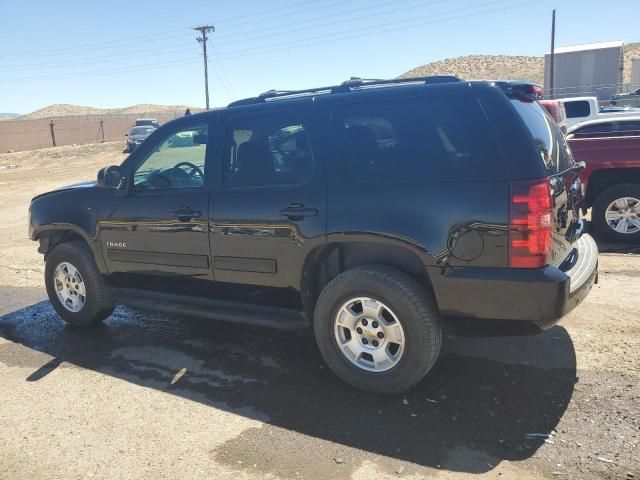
<point x="66" y="215"/>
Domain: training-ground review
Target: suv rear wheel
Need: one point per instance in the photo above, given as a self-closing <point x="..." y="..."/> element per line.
<point x="377" y="329"/>
<point x="76" y="289"/>
<point x="616" y="213"/>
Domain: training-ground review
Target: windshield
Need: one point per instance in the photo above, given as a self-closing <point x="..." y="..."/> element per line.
<point x="141" y="130"/>
<point x="548" y="138"/>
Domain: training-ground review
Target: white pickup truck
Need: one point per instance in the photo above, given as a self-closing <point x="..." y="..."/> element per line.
<point x="581" y="109"/>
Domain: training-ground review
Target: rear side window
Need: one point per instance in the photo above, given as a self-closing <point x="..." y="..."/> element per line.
<point x="589" y="130"/>
<point x="579" y="108"/>
<point x="547" y="137"/>
<point x="608" y="129"/>
<point x="628" y="127"/>
<point x="444" y="138"/>
<point x="272" y="149"/>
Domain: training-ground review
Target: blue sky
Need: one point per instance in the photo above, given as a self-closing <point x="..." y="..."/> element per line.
<point x="118" y="53"/>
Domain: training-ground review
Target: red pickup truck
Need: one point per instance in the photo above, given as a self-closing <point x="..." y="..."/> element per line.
<point x="612" y="183"/>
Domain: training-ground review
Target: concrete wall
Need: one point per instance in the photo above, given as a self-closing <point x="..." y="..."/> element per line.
<point x="16" y="135"/>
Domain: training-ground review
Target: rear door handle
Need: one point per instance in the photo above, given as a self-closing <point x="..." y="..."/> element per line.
<point x="297" y="211"/>
<point x="185" y="213"/>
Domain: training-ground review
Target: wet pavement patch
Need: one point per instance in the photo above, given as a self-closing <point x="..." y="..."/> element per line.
<point x="466" y="403"/>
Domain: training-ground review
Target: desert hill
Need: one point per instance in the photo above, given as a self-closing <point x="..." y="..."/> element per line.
<point x="65" y="110"/>
<point x="506" y="67"/>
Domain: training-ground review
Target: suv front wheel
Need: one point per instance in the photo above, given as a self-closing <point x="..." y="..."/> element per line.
<point x="75" y="286"/>
<point x="377" y="329"/>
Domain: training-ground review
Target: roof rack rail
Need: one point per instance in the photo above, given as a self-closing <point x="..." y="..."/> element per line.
<point x="348" y="85"/>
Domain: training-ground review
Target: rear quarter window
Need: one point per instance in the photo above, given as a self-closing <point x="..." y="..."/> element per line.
<point x="420" y="139"/>
<point x="547" y="137"/>
<point x="577" y="109"/>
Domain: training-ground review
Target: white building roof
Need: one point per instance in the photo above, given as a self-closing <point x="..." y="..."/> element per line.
<point x="589" y="46"/>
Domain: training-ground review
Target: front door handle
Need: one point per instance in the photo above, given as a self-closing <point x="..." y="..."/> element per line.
<point x="185" y="213"/>
<point x="297" y="211"/>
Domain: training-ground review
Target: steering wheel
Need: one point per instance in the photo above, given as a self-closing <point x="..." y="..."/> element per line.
<point x="193" y="172"/>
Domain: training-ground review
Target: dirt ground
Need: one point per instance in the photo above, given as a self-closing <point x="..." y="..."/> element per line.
<point x="155" y="396"/>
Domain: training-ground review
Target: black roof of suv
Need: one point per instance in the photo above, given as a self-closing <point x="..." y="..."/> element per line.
<point x="374" y="210"/>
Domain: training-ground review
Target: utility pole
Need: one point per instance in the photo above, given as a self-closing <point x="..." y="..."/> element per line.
<point x="202" y="40"/>
<point x="552" y="55"/>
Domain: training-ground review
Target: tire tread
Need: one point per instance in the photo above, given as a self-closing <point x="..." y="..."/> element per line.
<point x="429" y="325"/>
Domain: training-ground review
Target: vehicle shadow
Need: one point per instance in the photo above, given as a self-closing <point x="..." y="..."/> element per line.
<point x="609" y="247"/>
<point x="478" y="406"/>
<point x="606" y="246"/>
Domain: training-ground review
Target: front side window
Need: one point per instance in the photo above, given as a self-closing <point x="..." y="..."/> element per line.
<point x="177" y="162"/>
<point x="269" y="149"/>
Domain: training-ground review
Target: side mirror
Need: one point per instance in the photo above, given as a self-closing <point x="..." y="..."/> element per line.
<point x="109" y="177"/>
<point x="126" y="134"/>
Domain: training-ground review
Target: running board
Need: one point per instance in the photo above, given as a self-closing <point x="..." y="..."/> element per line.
<point x="250" y="314"/>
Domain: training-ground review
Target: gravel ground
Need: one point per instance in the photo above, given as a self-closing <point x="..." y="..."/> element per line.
<point x="156" y="396"/>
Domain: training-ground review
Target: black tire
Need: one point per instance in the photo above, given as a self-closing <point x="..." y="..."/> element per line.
<point x="602" y="202"/>
<point x="413" y="306"/>
<point x="100" y="299"/>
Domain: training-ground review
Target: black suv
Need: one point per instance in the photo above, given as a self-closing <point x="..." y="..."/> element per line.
<point x="373" y="210"/>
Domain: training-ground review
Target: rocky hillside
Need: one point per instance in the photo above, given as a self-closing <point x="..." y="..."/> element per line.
<point x="65" y="109"/>
<point x="485" y="66"/>
<point x="631" y="51"/>
<point x="504" y="66"/>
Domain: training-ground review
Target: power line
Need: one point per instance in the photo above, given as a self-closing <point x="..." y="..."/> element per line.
<point x="99" y="45"/>
<point x="224" y="74"/>
<point x="300" y="43"/>
<point x="202" y="40"/>
<point x="91" y="46"/>
<point x="322" y="6"/>
<point x="268" y="10"/>
<point x="137" y="68"/>
<point x="108" y="58"/>
<point x="333" y="15"/>
<point x="161" y="51"/>
<point x="167" y="49"/>
<point x="384" y="24"/>
<point x="377" y="31"/>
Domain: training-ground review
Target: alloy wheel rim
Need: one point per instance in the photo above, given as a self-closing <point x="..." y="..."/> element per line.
<point x="69" y="286"/>
<point x="623" y="215"/>
<point x="369" y="334"/>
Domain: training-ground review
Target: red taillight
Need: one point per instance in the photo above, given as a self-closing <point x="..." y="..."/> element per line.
<point x="530" y="224"/>
<point x="537" y="91"/>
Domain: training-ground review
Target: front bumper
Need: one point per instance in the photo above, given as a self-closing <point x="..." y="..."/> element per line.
<point x="541" y="296"/>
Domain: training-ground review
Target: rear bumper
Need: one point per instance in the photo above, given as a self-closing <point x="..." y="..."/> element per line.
<point x="541" y="296"/>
